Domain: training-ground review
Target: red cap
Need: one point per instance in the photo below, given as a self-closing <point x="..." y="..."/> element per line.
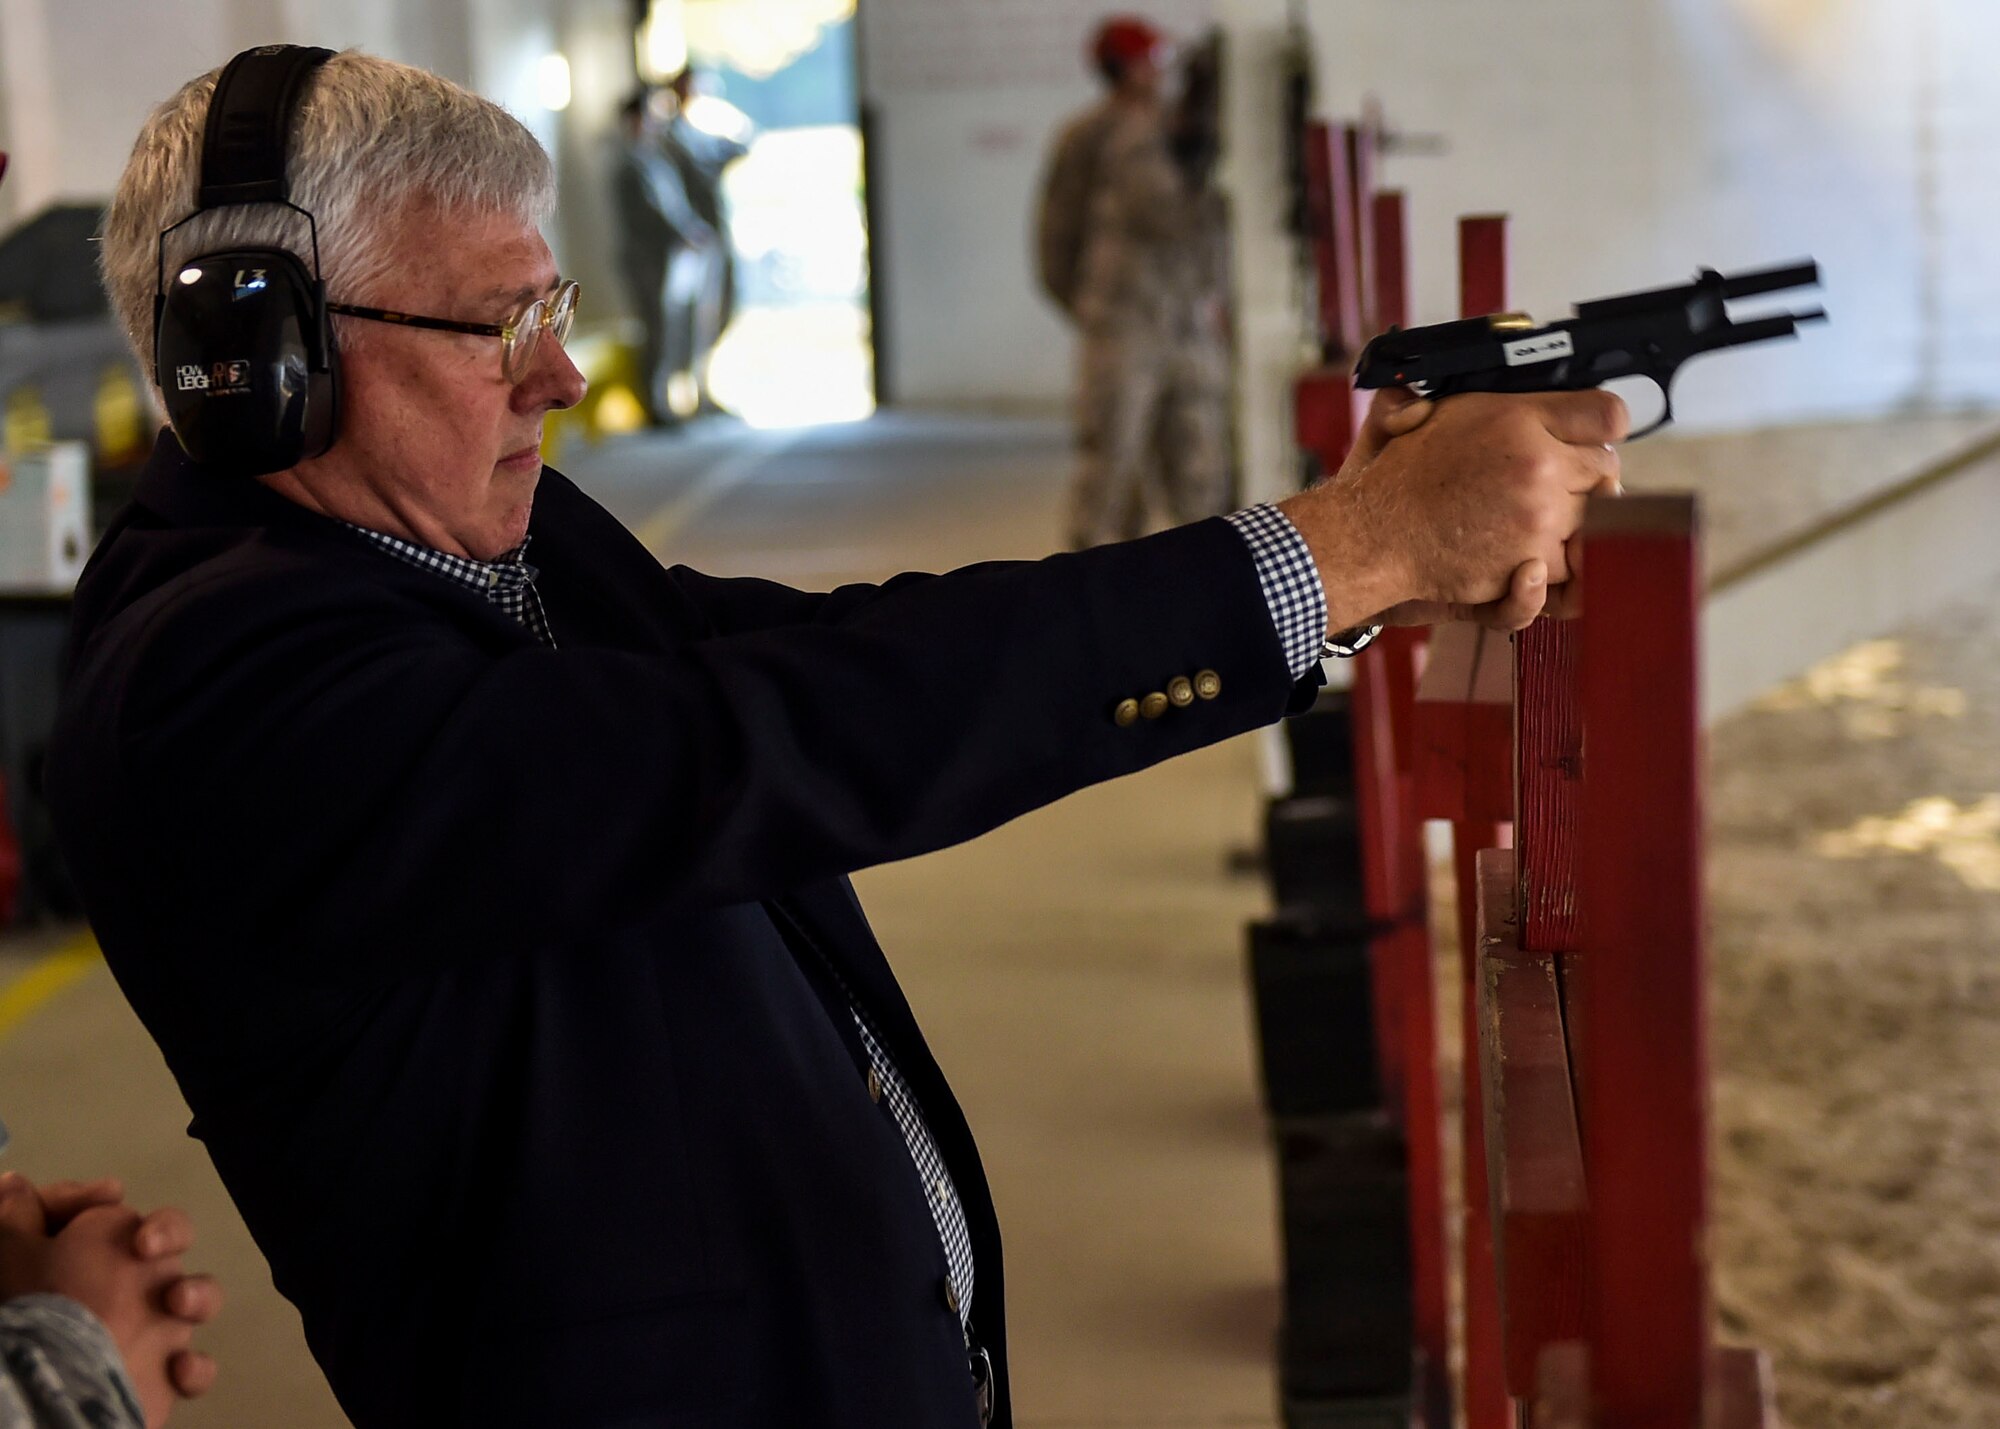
<point x="1124" y="38"/>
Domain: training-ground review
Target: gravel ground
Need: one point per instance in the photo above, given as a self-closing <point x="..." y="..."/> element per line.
<point x="1855" y="875"/>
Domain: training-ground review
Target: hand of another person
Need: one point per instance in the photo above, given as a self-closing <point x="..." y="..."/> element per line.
<point x="78" y="1239"/>
<point x="1459" y="510"/>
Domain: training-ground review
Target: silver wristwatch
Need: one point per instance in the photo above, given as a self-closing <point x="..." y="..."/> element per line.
<point x="1345" y="644"/>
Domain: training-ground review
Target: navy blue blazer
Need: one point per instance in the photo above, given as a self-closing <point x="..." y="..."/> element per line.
<point x="463" y="949"/>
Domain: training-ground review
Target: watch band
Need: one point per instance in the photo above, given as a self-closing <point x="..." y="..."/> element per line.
<point x="1346" y="644"/>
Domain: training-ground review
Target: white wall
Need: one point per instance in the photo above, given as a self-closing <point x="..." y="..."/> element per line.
<point x="78" y="79"/>
<point x="1636" y="142"/>
<point x="966" y="96"/>
<point x="966" y="321"/>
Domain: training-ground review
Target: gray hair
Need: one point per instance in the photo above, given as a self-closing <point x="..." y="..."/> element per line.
<point x="370" y="137"/>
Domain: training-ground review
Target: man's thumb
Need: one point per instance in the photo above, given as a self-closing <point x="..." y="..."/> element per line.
<point x="1393" y="412"/>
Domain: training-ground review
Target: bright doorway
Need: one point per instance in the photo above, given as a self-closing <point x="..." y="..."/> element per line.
<point x="780" y="75"/>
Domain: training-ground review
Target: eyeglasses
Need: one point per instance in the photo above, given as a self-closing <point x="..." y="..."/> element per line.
<point x="518" y="335"/>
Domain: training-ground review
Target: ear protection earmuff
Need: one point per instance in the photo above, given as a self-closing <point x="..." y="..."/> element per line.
<point x="242" y="347"/>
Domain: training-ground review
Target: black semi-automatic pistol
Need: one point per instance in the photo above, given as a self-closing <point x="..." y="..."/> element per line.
<point x="1647" y="335"/>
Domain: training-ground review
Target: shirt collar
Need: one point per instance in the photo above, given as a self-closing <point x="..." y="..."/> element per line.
<point x="508" y="571"/>
<point x="508" y="583"/>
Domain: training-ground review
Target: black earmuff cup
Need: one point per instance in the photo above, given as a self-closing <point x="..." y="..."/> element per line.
<point x="244" y="361"/>
<point x="242" y="352"/>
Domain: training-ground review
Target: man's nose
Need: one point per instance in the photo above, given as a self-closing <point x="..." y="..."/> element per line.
<point x="552" y="381"/>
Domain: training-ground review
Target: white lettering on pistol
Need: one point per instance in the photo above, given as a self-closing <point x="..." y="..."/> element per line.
<point x="1544" y="347"/>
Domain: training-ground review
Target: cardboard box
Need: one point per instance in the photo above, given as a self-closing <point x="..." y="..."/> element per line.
<point x="44" y="518"/>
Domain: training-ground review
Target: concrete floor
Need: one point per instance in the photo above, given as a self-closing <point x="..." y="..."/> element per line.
<point x="1078" y="972"/>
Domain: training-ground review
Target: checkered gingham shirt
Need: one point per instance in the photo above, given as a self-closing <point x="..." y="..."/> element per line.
<point x="508" y="582"/>
<point x="1291" y="586"/>
<point x="1290" y="582"/>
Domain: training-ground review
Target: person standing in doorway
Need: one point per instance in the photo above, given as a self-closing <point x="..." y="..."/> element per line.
<point x="1132" y="245"/>
<point x="660" y="238"/>
<point x="700" y="157"/>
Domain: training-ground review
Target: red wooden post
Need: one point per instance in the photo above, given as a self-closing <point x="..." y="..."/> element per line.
<point x="1392" y="248"/>
<point x="1382" y="268"/>
<point x="1484" y="1390"/>
<point x="1330" y="202"/>
<point x="1401" y="957"/>
<point x="1548" y="741"/>
<point x="1482" y="288"/>
<point x="1528" y="1107"/>
<point x="1548" y="744"/>
<point x="1383" y="703"/>
<point x="1643" y="1055"/>
<point x="1482" y="264"/>
<point x="1315" y="150"/>
<point x="1363" y="139"/>
<point x="1380" y="813"/>
<point x="1348" y="222"/>
<point x="1326" y="414"/>
<point x="1465" y="773"/>
<point x="1326" y="408"/>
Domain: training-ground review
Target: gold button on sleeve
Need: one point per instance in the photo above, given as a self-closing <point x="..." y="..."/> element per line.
<point x="1153" y="706"/>
<point x="1208" y="684"/>
<point x="1126" y="713"/>
<point x="874" y="1085"/>
<point x="1181" y="691"/>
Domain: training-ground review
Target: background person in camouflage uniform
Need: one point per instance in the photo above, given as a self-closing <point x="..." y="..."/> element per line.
<point x="1132" y="244"/>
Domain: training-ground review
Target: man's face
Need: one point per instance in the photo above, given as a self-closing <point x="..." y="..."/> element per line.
<point x="435" y="444"/>
<point x="1144" y="76"/>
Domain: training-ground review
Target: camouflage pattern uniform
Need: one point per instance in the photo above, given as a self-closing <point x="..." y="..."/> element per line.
<point x="1148" y="298"/>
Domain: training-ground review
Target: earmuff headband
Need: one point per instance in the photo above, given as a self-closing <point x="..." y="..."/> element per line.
<point x="249" y="122"/>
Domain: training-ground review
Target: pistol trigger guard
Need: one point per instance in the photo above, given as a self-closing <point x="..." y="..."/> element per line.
<point x="1666" y="386"/>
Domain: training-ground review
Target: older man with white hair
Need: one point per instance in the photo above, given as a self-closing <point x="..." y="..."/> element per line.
<point x="494" y="915"/>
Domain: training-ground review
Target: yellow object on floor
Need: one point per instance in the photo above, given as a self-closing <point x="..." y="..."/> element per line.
<point x="611" y="406"/>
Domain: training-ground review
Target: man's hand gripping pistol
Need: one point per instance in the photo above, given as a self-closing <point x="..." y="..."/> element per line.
<point x="1648" y="335"/>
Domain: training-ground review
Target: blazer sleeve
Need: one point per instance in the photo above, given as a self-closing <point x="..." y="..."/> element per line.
<point x="351" y="790"/>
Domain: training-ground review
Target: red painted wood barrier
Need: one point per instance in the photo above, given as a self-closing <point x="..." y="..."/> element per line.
<point x="1533" y="1148"/>
<point x="1361" y="262"/>
<point x="1587" y="1293"/>
<point x="1642" y="1049"/>
<point x="1330" y="208"/>
<point x="1464" y="713"/>
<point x="1592" y="1070"/>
